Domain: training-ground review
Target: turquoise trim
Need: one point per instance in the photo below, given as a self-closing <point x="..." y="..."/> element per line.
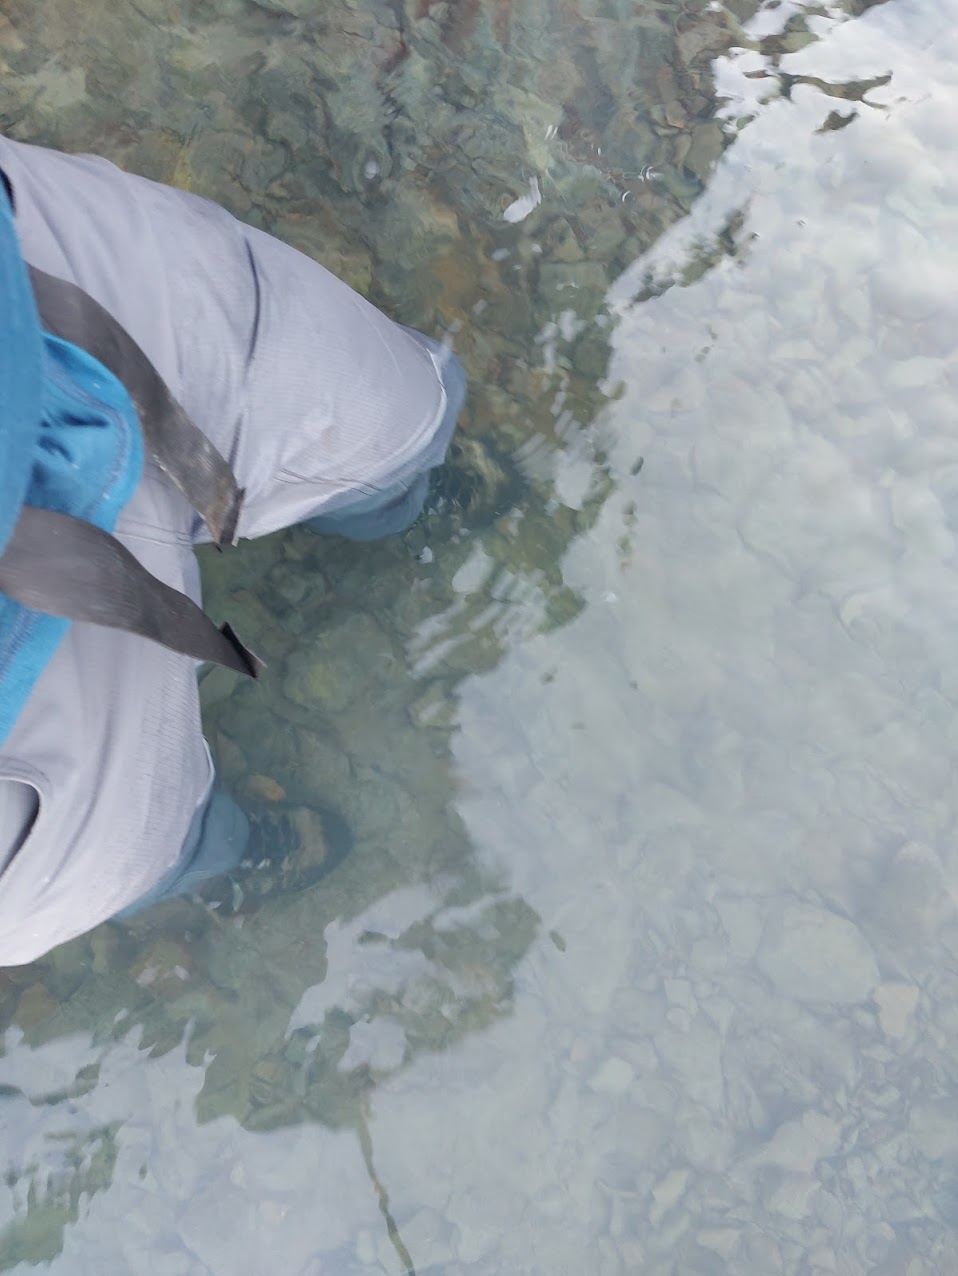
<point x="86" y="460"/>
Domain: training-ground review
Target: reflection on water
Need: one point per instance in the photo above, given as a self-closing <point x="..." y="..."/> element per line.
<point x="644" y="956"/>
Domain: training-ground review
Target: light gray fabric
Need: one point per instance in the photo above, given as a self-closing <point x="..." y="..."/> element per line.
<point x="19" y="804"/>
<point x="314" y="397"/>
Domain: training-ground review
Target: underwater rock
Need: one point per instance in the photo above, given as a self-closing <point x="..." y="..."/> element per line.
<point x="324" y="836"/>
<point x="293" y="8"/>
<point x="163" y="968"/>
<point x="293" y="584"/>
<point x="345" y="659"/>
<point x="896" y="1005"/>
<point x="578" y="286"/>
<point x="265" y="788"/>
<point x="815" y="955"/>
<point x="36" y="1003"/>
<point x="311" y="678"/>
<point x="229" y="757"/>
<point x="708" y="143"/>
<point x="434" y="708"/>
<point x="318" y="237"/>
<point x="911" y="899"/>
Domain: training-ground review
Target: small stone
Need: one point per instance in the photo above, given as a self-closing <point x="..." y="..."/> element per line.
<point x="912" y="901"/>
<point x="792" y="1195"/>
<point x="632" y="1255"/>
<point x="799" y="350"/>
<point x="794" y="41"/>
<point x="366" y="1247"/>
<point x="273" y="1212"/>
<point x="720" y="1240"/>
<point x="105" y="946"/>
<point x="815" y="955"/>
<point x="909" y="374"/>
<point x="312" y="680"/>
<point x="311" y="831"/>
<point x="266" y="788"/>
<point x="667" y="1193"/>
<point x="266" y="1081"/>
<point x="474" y="572"/>
<point x="10" y="39"/>
<point x="934" y="1126"/>
<point x="708" y="143"/>
<point x="896" y="1004"/>
<point x="293" y="584"/>
<point x="579" y="1051"/>
<point x="427" y="1235"/>
<point x="567" y="249"/>
<point x="613" y="1077"/>
<point x="799" y="1145"/>
<point x="742" y="921"/>
<point x="164" y="967"/>
<point x="578" y="286"/>
<point x="228" y="755"/>
<point x="36" y="1004"/>
<point x="434" y="708"/>
<point x="679" y="993"/>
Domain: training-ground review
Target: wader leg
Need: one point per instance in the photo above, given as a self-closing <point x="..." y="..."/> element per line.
<point x="398" y="506"/>
<point x="215" y="844"/>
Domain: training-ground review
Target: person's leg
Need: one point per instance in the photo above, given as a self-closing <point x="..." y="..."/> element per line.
<point x="398" y="505"/>
<point x="110" y="739"/>
<point x="317" y="398"/>
<point x="215" y="845"/>
<point x="232" y="861"/>
<point x="382" y="514"/>
<point x="314" y="396"/>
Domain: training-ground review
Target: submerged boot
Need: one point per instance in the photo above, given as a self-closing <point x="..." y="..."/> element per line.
<point x="288" y="851"/>
<point x="474" y="482"/>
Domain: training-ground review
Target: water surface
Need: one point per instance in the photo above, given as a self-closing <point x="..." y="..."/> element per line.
<point x="644" y="958"/>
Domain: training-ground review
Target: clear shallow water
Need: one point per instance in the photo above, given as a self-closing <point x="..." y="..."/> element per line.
<point x="644" y="959"/>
